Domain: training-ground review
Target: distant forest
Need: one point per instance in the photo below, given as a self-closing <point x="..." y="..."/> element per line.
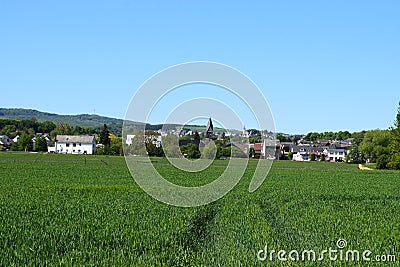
<point x="95" y="122"/>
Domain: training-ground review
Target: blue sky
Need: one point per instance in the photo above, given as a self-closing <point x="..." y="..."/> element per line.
<point x="322" y="65"/>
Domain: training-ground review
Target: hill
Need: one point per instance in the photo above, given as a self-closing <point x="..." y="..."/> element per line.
<point x="83" y="120"/>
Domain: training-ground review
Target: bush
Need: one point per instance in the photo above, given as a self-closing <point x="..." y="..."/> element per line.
<point x="394" y="162"/>
<point x="226" y="152"/>
<point x="323" y="157"/>
<point x="381" y="162"/>
<point x="312" y="157"/>
<point x="191" y="150"/>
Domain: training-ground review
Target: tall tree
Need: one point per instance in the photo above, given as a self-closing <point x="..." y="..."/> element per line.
<point x="394" y="146"/>
<point x="61" y="128"/>
<point x="170" y="144"/>
<point x="375" y="146"/>
<point x="354" y="155"/>
<point x="25" y="143"/>
<point x="105" y="136"/>
<point x="209" y="151"/>
<point x="46" y="127"/>
<point x="196" y="136"/>
<point x="191" y="151"/>
<point x="40" y="144"/>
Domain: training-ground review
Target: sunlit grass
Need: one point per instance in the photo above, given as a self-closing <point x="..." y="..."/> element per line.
<point x="87" y="210"/>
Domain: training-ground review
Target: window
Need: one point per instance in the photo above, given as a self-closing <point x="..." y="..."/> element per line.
<point x="80" y="144"/>
<point x="340" y="153"/>
<point x="67" y="144"/>
<point x="74" y="144"/>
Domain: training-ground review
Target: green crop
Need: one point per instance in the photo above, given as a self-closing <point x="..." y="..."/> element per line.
<point x="88" y="210"/>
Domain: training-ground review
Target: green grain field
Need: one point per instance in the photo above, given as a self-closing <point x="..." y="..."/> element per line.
<point x="87" y="210"/>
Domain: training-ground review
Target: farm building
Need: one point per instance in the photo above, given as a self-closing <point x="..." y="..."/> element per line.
<point x="75" y="144"/>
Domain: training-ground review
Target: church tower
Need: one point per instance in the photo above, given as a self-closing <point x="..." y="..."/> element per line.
<point x="209" y="129"/>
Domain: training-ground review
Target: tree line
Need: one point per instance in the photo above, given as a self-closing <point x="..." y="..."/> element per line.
<point x="378" y="146"/>
<point x="28" y="129"/>
<point x="145" y="144"/>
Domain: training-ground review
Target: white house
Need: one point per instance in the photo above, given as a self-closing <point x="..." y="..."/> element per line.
<point x="75" y="144"/>
<point x="270" y="149"/>
<point x="301" y="157"/>
<point x="336" y="154"/>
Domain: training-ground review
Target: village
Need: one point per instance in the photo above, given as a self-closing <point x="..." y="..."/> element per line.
<point x="257" y="145"/>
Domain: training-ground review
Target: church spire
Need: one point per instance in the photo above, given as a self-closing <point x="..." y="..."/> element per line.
<point x="209" y="129"/>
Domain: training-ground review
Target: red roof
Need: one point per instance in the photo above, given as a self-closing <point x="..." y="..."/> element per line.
<point x="258" y="146"/>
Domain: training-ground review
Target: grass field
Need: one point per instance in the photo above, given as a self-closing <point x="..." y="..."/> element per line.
<point x="87" y="210"/>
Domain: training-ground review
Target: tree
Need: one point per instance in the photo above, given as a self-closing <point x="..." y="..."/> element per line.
<point x="394" y="145"/>
<point x="209" y="151"/>
<point x="62" y="128"/>
<point x="138" y="146"/>
<point x="226" y="152"/>
<point x="238" y="153"/>
<point x="153" y="150"/>
<point x="40" y="144"/>
<point x="116" y="145"/>
<point x="381" y="161"/>
<point x="8" y="129"/>
<point x="375" y="144"/>
<point x="312" y="157"/>
<point x="355" y="156"/>
<point x="196" y="136"/>
<point x="251" y="152"/>
<point x="46" y="127"/>
<point x="253" y="140"/>
<point x="282" y="138"/>
<point x="24" y="143"/>
<point x="313" y="136"/>
<point x="358" y="137"/>
<point x="170" y="146"/>
<point x="105" y="136"/>
<point x="323" y="157"/>
<point x="191" y="151"/>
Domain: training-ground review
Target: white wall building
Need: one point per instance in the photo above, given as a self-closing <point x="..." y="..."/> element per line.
<point x="336" y="154"/>
<point x="75" y="144"/>
<point x="270" y="149"/>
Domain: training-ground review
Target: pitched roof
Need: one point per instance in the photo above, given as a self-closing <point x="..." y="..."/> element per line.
<point x="75" y="138"/>
<point x="257" y="146"/>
